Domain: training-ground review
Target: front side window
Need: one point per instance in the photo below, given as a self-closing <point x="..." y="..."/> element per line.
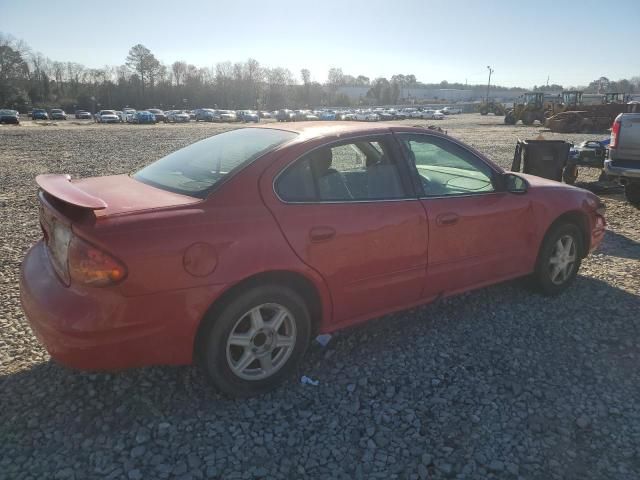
<point x="445" y="168"/>
<point x="195" y="170"/>
<point x="355" y="171"/>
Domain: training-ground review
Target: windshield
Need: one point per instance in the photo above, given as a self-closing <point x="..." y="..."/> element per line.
<point x="107" y="112"/>
<point x="195" y="170"/>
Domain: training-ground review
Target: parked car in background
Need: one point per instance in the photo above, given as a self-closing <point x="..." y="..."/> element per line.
<point x="624" y="155"/>
<point x="143" y="116"/>
<point x="165" y="266"/>
<point x="177" y="116"/>
<point x="346" y="115"/>
<point x="385" y="115"/>
<point x="39" y="114"/>
<point x="9" y="116"/>
<point x="393" y="112"/>
<point x="304" y="116"/>
<point x="399" y="115"/>
<point x="57" y="114"/>
<point x="327" y="115"/>
<point x="285" y="115"/>
<point x="451" y="110"/>
<point x="427" y="114"/>
<point x="264" y="114"/>
<point x="158" y="114"/>
<point x="227" y="116"/>
<point x="367" y="116"/>
<point x="121" y="116"/>
<point x="107" y="116"/>
<point x="311" y="116"/>
<point x="127" y="114"/>
<point x="206" y="115"/>
<point x="248" y="116"/>
<point x="82" y="115"/>
<point x="407" y="112"/>
<point x="430" y="114"/>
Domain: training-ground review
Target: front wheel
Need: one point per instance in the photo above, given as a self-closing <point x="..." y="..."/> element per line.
<point x="509" y="119"/>
<point x="256" y="340"/>
<point x="559" y="259"/>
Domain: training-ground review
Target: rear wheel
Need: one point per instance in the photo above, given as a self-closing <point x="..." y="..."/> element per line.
<point x="632" y="193"/>
<point x="509" y="119"/>
<point x="256" y="341"/>
<point x="559" y="259"/>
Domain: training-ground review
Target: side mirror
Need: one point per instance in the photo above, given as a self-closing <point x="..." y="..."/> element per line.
<point x="515" y="184"/>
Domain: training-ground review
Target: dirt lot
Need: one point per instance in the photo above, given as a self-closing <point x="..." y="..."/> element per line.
<point x="496" y="383"/>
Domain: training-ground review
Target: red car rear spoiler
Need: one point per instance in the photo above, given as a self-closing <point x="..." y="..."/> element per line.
<point x="60" y="186"/>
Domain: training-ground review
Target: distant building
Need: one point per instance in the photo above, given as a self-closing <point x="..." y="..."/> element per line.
<point x="422" y="94"/>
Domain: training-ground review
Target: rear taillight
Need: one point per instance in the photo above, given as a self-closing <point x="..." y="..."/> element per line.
<point x="615" y="133"/>
<point x="58" y="239"/>
<point x="91" y="266"/>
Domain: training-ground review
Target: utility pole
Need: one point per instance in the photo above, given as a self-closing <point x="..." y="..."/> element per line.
<point x="489" y="82"/>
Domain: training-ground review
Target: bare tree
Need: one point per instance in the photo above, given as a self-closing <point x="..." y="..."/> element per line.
<point x="335" y="77"/>
<point x="144" y="63"/>
<point x="179" y="71"/>
<point x="306" y="76"/>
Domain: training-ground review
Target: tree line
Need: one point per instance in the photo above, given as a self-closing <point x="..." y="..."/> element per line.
<point x="28" y="79"/>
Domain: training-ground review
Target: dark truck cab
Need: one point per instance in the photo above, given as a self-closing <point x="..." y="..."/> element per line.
<point x="624" y="155"/>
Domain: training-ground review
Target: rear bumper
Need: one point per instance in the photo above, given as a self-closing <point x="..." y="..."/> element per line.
<point x="99" y="329"/>
<point x="611" y="168"/>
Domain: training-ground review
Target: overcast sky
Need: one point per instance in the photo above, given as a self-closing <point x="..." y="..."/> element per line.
<point x="573" y="42"/>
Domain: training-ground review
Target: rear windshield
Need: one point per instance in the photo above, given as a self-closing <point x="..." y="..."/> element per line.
<point x="196" y="170"/>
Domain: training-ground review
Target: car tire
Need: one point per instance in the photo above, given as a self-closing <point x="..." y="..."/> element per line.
<point x="559" y="259"/>
<point x="570" y="174"/>
<point x="632" y="194"/>
<point x="238" y="346"/>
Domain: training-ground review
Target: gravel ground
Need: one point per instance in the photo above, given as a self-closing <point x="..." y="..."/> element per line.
<point x="497" y="383"/>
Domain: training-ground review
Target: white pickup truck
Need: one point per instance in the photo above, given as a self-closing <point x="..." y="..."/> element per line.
<point x="624" y="155"/>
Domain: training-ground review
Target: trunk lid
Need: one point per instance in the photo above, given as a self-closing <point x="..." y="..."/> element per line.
<point x="111" y="195"/>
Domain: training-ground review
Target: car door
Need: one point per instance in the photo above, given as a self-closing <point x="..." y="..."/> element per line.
<point x="348" y="211"/>
<point x="478" y="233"/>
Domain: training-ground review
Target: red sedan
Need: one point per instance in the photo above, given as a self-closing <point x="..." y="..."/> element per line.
<point x="236" y="250"/>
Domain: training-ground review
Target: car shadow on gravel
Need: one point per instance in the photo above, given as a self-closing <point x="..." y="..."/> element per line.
<point x="619" y="245"/>
<point x="444" y="377"/>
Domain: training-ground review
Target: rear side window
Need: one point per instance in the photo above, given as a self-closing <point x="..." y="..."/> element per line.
<point x="195" y="170"/>
<point x="360" y="170"/>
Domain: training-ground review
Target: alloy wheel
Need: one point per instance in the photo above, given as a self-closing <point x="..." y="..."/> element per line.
<point x="562" y="260"/>
<point x="261" y="341"/>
